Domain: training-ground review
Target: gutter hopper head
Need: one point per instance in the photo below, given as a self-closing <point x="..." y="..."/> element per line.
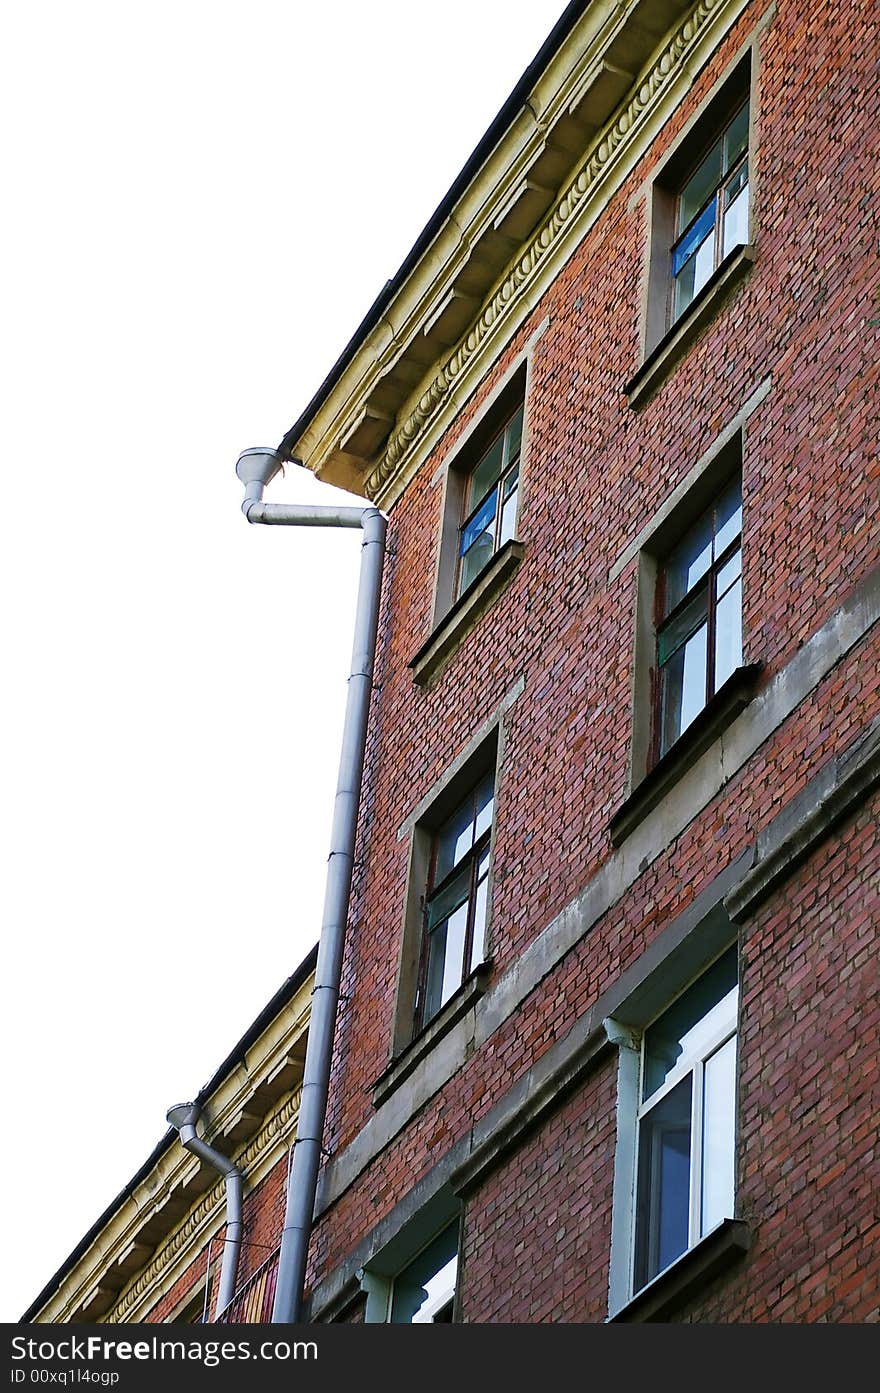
<point x="183" y="1115"/>
<point x="258" y="466"/>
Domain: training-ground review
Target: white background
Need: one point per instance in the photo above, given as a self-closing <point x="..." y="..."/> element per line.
<point x="201" y="202"/>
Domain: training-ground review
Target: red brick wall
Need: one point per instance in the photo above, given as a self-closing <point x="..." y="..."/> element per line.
<point x="597" y="470"/>
<point x="823" y="724"/>
<point x="538" y="1231"/>
<point x="184" y="1288"/>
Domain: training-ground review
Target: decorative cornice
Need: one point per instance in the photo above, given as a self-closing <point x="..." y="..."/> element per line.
<point x="605" y="151"/>
<point x="276" y="1130"/>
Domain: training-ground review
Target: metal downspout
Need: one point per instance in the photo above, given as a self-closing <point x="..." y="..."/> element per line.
<point x="255" y="468"/>
<point x="184" y="1117"/>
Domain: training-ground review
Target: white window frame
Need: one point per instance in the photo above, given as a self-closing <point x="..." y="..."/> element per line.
<point x="378" y="1282"/>
<point x="626" y="1029"/>
<point x="692" y="1063"/>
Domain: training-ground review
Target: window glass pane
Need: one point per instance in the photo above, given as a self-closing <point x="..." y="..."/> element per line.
<point x="728" y="516"/>
<point x="699" y="187"/>
<point x="683" y="688"/>
<point x="453" y="970"/>
<point x="475" y="561"/>
<point x="663" y="1199"/>
<point x="478" y="942"/>
<point x="487" y="472"/>
<point x="477" y="541"/>
<point x="514" y="438"/>
<point x="689" y="562"/>
<point x="685" y="289"/>
<point x="445" y="961"/>
<point x="454" y="894"/>
<point x="736" y="221"/>
<point x="423" y="1290"/>
<point x="686" y="622"/>
<point x="704" y="265"/>
<point x="485" y="801"/>
<point x="736" y="137"/>
<point x="675" y="1038"/>
<point x="719" y="1107"/>
<point x="508" y="515"/>
<point x="729" y="572"/>
<point x="436" y="967"/>
<point x="454" y="840"/>
<point x="736" y="183"/>
<point x="482" y="522"/>
<point x="728" y="634"/>
<point x="690" y="244"/>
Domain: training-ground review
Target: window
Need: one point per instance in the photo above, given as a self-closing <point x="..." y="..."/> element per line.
<point x="424" y="1292"/>
<point x="411" y="1278"/>
<point x="686" y="1122"/>
<point x="699" y="615"/>
<point x="712" y="212"/>
<point x="478" y="550"/>
<point x="455" y="906"/>
<point x="689" y="680"/>
<point x="444" y="961"/>
<point x="673" y="1225"/>
<point x="490" y="502"/>
<point x="700" y="243"/>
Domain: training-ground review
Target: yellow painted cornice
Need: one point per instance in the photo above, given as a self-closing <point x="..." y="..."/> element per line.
<point x="590" y="116"/>
<point x="166" y="1221"/>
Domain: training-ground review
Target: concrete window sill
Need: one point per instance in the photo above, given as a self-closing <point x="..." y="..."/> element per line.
<point x="674" y="344"/>
<point x="462" y="1001"/>
<point x="688" y="1275"/>
<point x="464" y="614"/>
<point x="730" y="699"/>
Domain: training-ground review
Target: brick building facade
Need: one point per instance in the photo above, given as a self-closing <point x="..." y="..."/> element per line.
<point x="608" y="1043"/>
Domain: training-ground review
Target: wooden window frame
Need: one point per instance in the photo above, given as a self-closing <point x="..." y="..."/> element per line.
<point x="664" y="621"/>
<point x="509" y="466"/>
<point x="481" y="847"/>
<point x="666" y="340"/>
<point x="715" y="196"/>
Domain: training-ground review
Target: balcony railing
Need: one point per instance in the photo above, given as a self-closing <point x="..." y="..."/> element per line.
<point x="252" y="1303"/>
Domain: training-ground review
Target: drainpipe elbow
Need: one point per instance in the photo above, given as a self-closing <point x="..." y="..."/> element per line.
<point x="184" y="1118"/>
<point x="253" y="496"/>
